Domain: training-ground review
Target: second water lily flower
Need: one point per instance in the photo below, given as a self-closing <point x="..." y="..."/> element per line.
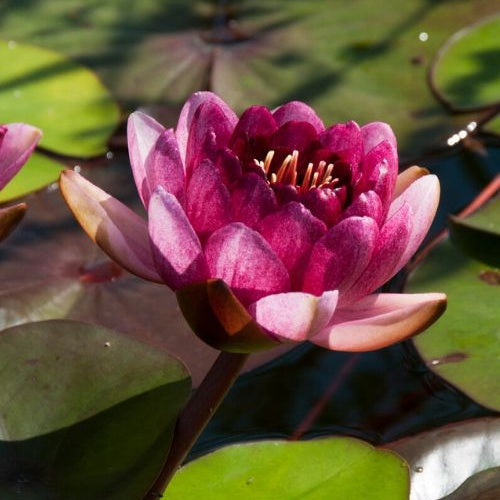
<point x="270" y="227"/>
<point x="17" y="142"/>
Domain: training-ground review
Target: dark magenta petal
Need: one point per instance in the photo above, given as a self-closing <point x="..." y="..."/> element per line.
<point x="208" y="200"/>
<point x="345" y="140"/>
<point x="285" y="193"/>
<point x="366" y="204"/>
<point x="341" y="255"/>
<point x="291" y="232"/>
<point x="177" y="251"/>
<point x="252" y="199"/>
<point x="298" y="111"/>
<point x="251" y="137"/>
<point x="390" y="246"/>
<point x="210" y="131"/>
<point x="228" y="165"/>
<point x="245" y="261"/>
<point x="163" y="167"/>
<point x="188" y="112"/>
<point x="323" y="204"/>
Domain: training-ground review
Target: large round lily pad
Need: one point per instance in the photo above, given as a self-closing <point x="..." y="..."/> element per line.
<point x="466" y="68"/>
<point x="462" y="346"/>
<point x="84" y="412"/>
<point x="365" y="60"/>
<point x="324" y="468"/>
<point x="76" y="113"/>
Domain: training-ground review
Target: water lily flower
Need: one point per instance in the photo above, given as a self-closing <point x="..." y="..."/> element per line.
<point x="17" y="142"/>
<point x="270" y="227"/>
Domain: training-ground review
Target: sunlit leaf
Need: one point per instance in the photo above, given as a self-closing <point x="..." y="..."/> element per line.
<point x="324" y="468"/>
<point x="63" y="98"/>
<point x="82" y="409"/>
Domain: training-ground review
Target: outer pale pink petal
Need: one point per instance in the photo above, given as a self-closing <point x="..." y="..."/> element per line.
<point x="374" y="133"/>
<point x="294" y="316"/>
<point x="390" y="246"/>
<point x="17" y="142"/>
<point x="366" y="204"/>
<point x="121" y="233"/>
<point x="163" y="167"/>
<point x="408" y="177"/>
<point x="291" y="232"/>
<point x="245" y="261"/>
<point x="423" y="198"/>
<point x="252" y="199"/>
<point x="176" y="248"/>
<point x="208" y="200"/>
<point x="142" y="134"/>
<point x="188" y="112"/>
<point x="298" y="111"/>
<point x="380" y="320"/>
<point x="341" y="255"/>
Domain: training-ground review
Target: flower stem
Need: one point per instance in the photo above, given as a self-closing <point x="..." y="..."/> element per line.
<point x="196" y="415"/>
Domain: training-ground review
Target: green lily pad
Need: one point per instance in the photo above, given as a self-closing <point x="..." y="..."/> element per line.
<point x="323" y="468"/>
<point x="493" y="125"/>
<point x="462" y="347"/>
<point x="83" y="410"/>
<point x="365" y="60"/>
<point x="479" y="234"/>
<point x="39" y="171"/>
<point x="439" y="465"/>
<point x="466" y="67"/>
<point x="60" y="96"/>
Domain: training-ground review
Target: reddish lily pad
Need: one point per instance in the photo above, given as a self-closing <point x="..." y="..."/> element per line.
<point x="463" y="346"/>
<point x="479" y="234"/>
<point x="65" y="275"/>
<point x="265" y="52"/>
<point x="324" y="468"/>
<point x="104" y="404"/>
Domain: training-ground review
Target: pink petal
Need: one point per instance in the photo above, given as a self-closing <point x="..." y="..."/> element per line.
<point x="208" y="200"/>
<point x="17" y="142"/>
<point x="252" y="199"/>
<point x="176" y="248"/>
<point x="366" y="204"/>
<point x="291" y="232"/>
<point x="298" y="111"/>
<point x="294" y="135"/>
<point x="210" y="131"/>
<point x="390" y="246"/>
<point x="228" y="165"/>
<point x="187" y="114"/>
<point x="323" y="204"/>
<point x="380" y="320"/>
<point x="294" y="316"/>
<point x="245" y="261"/>
<point x="121" y="233"/>
<point x="341" y="255"/>
<point x="163" y="167"/>
<point x="408" y="177"/>
<point x="423" y="198"/>
<point x="374" y="133"/>
<point x="142" y="134"/>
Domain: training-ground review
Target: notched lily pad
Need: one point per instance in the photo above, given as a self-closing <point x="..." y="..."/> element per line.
<point x="465" y="71"/>
<point x="479" y="234"/>
<point x="82" y="409"/>
<point x="462" y="347"/>
<point x="323" y="468"/>
<point x="63" y="98"/>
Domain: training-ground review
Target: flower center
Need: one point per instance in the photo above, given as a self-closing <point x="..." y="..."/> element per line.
<point x="315" y="176"/>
